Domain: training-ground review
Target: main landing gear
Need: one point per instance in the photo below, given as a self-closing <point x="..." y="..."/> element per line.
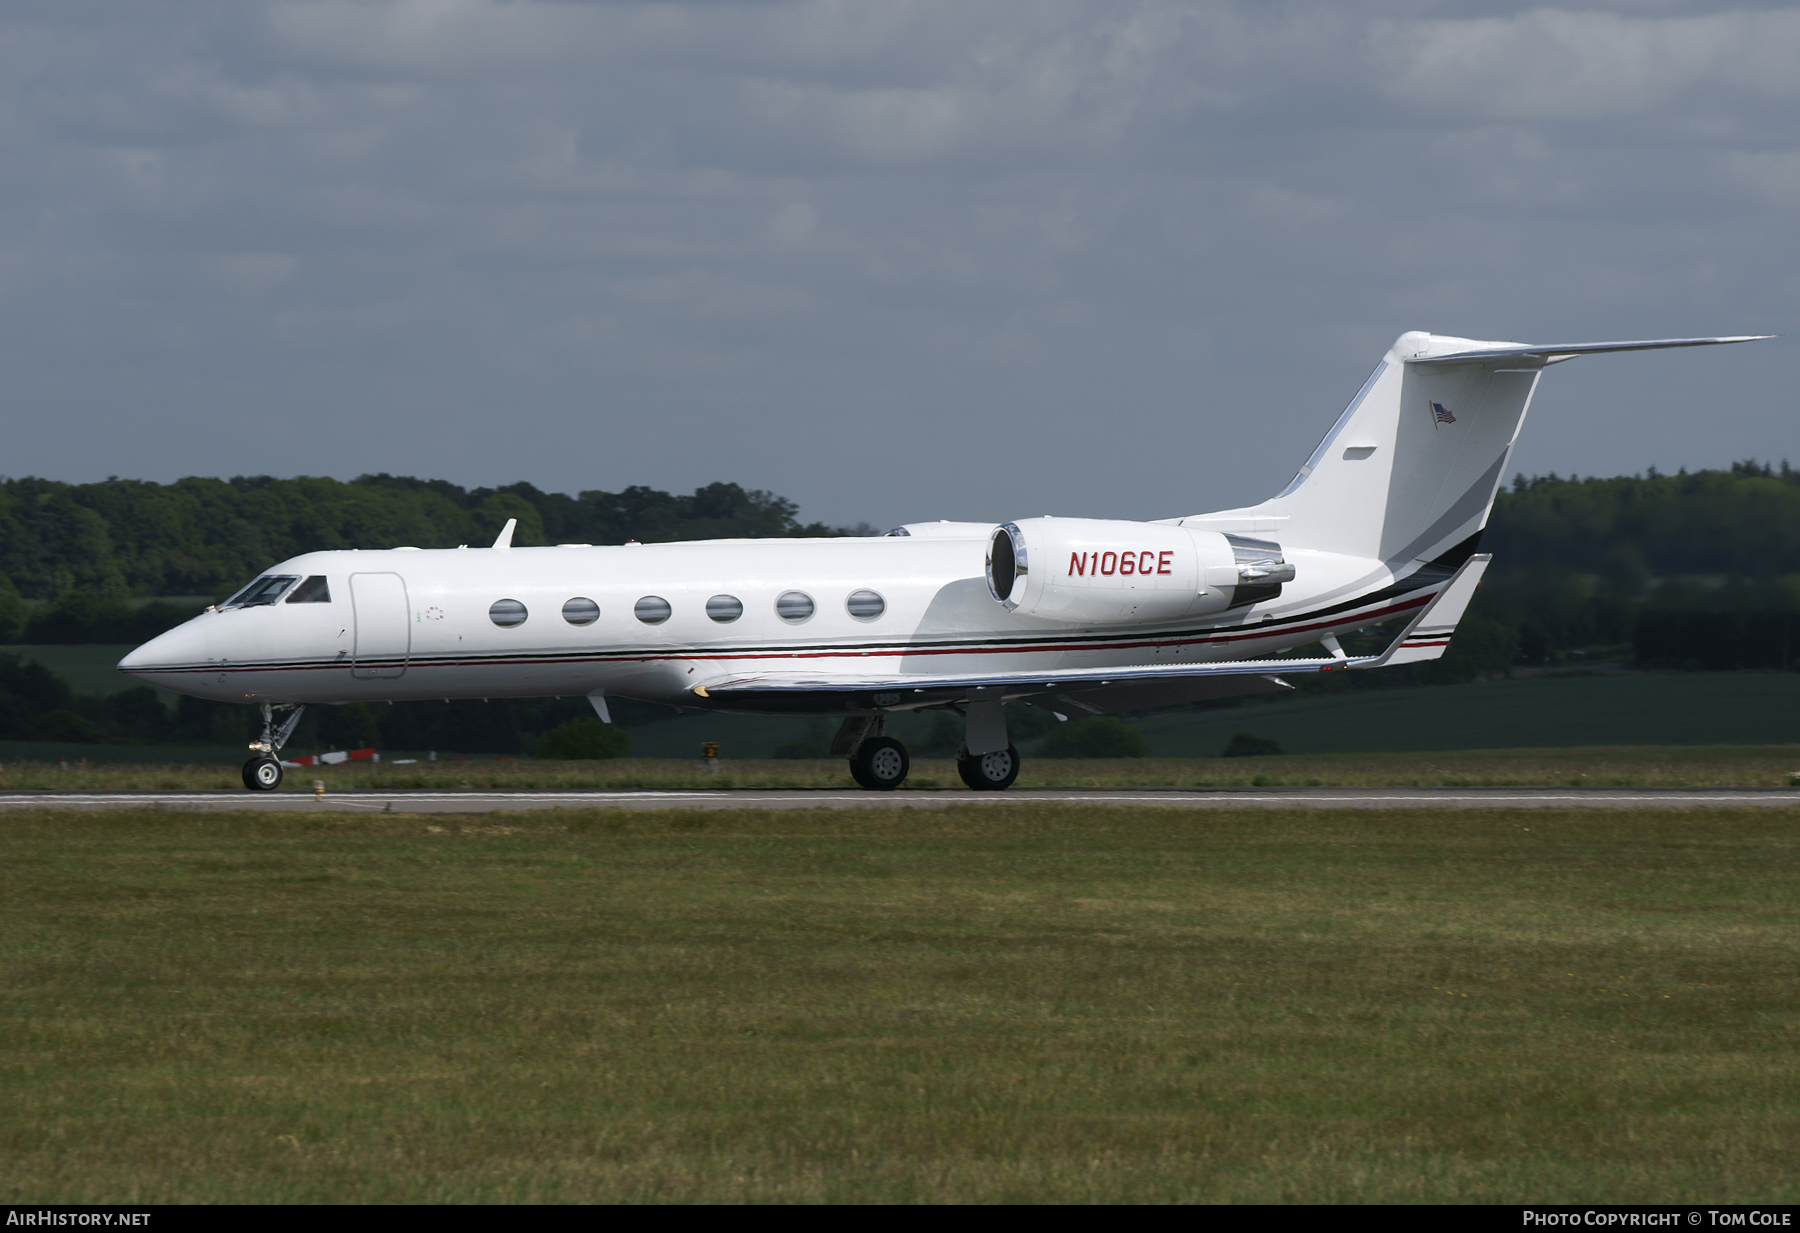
<point x="263" y="772"/>
<point x="989" y="772"/>
<point x="879" y="763"/>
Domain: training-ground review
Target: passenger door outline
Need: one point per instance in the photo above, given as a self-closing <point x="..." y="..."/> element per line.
<point x="382" y="616"/>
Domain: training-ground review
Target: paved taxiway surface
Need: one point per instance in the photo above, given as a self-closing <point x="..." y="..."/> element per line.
<point x="1284" y="798"/>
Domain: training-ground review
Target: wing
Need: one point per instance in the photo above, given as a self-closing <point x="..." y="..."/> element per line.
<point x="1092" y="689"/>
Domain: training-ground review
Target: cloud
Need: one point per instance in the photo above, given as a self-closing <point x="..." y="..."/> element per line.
<point x="894" y="258"/>
<point x="255" y="272"/>
<point x="440" y="36"/>
<point x="1557" y="64"/>
<point x="1771" y="174"/>
<point x="793" y="224"/>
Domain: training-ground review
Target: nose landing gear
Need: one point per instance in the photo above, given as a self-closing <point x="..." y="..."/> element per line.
<point x="263" y="772"/>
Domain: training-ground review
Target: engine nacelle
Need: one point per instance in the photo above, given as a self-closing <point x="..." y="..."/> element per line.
<point x="1092" y="571"/>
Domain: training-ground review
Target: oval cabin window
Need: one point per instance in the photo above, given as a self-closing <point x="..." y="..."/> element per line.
<point x="581" y="611"/>
<point x="794" y="606"/>
<point x="653" y="610"/>
<point x="507" y="612"/>
<point x="724" y="608"/>
<point x="865" y="605"/>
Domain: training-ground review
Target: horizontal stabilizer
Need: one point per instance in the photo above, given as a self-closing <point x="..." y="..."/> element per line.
<point x="1566" y="351"/>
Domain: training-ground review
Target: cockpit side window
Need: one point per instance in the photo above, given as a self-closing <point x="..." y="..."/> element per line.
<point x="315" y="590"/>
<point x="265" y="590"/>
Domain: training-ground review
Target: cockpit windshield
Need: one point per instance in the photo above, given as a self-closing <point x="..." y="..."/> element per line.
<point x="265" y="590"/>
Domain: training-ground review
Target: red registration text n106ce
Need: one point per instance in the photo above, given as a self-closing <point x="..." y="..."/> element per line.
<point x="1106" y="564"/>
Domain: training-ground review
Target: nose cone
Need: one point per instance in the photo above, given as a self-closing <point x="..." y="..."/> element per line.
<point x="174" y="660"/>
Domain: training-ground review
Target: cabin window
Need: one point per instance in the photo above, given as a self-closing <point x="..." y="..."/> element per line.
<point x="794" y="606"/>
<point x="724" y="608"/>
<point x="580" y="611"/>
<point x="507" y="613"/>
<point x="265" y="590"/>
<point x="653" y="610"/>
<point x="865" y="605"/>
<point x="315" y="590"/>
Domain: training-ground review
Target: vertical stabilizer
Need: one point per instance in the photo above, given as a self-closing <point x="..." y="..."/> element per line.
<point x="1410" y="469"/>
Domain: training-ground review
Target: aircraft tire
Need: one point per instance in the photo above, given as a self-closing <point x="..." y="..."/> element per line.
<point x="262" y="774"/>
<point x="992" y="772"/>
<point x="880" y="765"/>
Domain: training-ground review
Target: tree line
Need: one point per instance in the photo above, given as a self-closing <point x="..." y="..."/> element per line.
<point x="77" y="561"/>
<point x="1698" y="571"/>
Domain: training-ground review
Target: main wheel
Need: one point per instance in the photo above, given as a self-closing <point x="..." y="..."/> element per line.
<point x="262" y="774"/>
<point x="990" y="772"/>
<point x="881" y="764"/>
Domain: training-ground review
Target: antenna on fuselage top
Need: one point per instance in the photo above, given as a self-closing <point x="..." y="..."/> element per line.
<point x="504" y="540"/>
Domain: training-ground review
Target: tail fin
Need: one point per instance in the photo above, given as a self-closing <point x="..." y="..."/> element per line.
<point x="1410" y="469"/>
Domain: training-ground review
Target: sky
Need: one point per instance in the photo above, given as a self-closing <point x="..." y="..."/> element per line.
<point x="894" y="260"/>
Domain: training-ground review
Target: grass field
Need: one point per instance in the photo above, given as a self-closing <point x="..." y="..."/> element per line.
<point x="1720" y="766"/>
<point x="1002" y="1004"/>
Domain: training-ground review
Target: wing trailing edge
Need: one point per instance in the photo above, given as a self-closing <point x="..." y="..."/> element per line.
<point x="1424" y="637"/>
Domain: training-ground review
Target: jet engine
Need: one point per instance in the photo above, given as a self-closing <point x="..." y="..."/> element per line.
<point x="1092" y="571"/>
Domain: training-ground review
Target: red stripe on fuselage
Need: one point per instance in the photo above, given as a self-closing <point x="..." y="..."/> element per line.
<point x="848" y="653"/>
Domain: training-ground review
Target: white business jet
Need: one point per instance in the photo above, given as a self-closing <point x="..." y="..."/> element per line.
<point x="1082" y="615"/>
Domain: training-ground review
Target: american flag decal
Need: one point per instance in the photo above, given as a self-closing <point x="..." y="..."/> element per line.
<point x="1442" y="413"/>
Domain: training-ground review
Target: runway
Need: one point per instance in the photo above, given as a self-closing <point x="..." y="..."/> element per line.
<point x="1270" y="798"/>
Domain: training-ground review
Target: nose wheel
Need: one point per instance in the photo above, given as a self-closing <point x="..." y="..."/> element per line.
<point x="262" y="774"/>
<point x="989" y="772"/>
<point x="880" y="764"/>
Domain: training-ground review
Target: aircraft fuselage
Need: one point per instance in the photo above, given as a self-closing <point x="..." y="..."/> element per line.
<point x="419" y="624"/>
